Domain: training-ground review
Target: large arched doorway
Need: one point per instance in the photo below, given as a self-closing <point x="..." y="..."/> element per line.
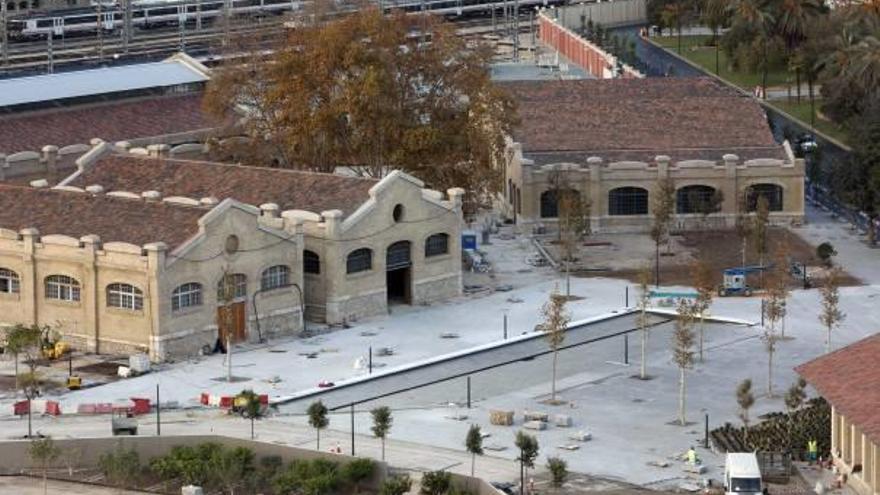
<point x="398" y="272"/>
<point x="697" y="199"/>
<point x="624" y="201"/>
<point x="771" y="192"/>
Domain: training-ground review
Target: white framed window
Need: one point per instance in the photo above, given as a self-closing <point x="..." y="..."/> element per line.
<point x="9" y="281"/>
<point x="62" y="288"/>
<point x="238" y="284"/>
<point x="125" y="296"/>
<point x="275" y="277"/>
<point x="186" y="296"/>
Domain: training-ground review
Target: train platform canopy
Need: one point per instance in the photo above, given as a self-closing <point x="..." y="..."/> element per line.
<point x="26" y="93"/>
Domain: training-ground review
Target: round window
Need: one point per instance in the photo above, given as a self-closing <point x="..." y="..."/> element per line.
<point x="397" y="213"/>
<point x="231" y="244"/>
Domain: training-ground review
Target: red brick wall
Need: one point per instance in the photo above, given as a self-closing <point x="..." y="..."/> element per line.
<point x="577" y="50"/>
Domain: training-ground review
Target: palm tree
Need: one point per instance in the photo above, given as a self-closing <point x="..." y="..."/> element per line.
<point x="758" y="17"/>
<point x="793" y="19"/>
<point x="715" y="15"/>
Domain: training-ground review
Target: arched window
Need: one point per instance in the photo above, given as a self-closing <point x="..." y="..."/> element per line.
<point x="232" y="286"/>
<point x="772" y="192"/>
<point x="311" y="262"/>
<point x="9" y="281"/>
<point x="628" y="201"/>
<point x="697" y="199"/>
<point x="62" y="288"/>
<point x="359" y="260"/>
<point x="275" y="277"/>
<point x="436" y="245"/>
<point x="125" y="296"/>
<point x="186" y="296"/>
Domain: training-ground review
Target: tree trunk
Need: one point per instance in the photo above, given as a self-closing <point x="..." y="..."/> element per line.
<point x="318" y="443"/>
<point x="657" y="263"/>
<point x="383" y="449"/>
<point x="45" y="481"/>
<point x="764" y="72"/>
<point x="643" y="372"/>
<point x="701" y="335"/>
<point x="769" y="373"/>
<point x="568" y="278"/>
<point x="717" y="44"/>
<point x="681" y="404"/>
<point x="252" y="427"/>
<point x="553" y="388"/>
<point x="812" y="103"/>
<point x="16" y="372"/>
<point x="744" y="251"/>
<point x="797" y="78"/>
<point x="30" y="431"/>
<point x="522" y="474"/>
<point x="828" y="341"/>
<point x="473" y="463"/>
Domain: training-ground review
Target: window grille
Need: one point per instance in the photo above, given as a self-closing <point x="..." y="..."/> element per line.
<point x="436" y="245"/>
<point x="125" y="296"/>
<point x="9" y="281"/>
<point x="275" y="277"/>
<point x="62" y="288"/>
<point x="359" y="260"/>
<point x="186" y="295"/>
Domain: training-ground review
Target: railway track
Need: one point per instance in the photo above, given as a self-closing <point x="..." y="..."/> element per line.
<point x="206" y="44"/>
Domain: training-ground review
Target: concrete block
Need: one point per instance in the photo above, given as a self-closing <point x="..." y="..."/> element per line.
<point x="562" y="420"/>
<point x="536" y="416"/>
<point x="581" y="436"/>
<point x="191" y="490"/>
<point x="535" y="425"/>
<point x="500" y="418"/>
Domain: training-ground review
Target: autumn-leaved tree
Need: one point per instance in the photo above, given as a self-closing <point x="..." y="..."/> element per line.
<point x="683" y="351"/>
<point x="44" y="452"/>
<point x="662" y="209"/>
<point x="556" y="320"/>
<point x="574" y="223"/>
<point x="794" y="399"/>
<point x="644" y="299"/>
<point x="831" y="315"/>
<point x="759" y="230"/>
<point x="701" y="274"/>
<point x="25" y="340"/>
<point x="745" y="399"/>
<point x="361" y="91"/>
<point x="773" y="306"/>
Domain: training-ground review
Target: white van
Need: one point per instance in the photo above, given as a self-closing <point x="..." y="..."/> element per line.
<point x="742" y="476"/>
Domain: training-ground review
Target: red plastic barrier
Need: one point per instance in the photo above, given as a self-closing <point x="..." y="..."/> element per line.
<point x="104" y="408"/>
<point x="225" y="402"/>
<point x="205" y="399"/>
<point x="86" y="409"/>
<point x="141" y="405"/>
<point x="20" y="408"/>
<point x="264" y="399"/>
<point x="52" y="408"/>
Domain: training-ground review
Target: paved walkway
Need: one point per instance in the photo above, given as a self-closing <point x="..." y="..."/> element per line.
<point x="853" y="252"/>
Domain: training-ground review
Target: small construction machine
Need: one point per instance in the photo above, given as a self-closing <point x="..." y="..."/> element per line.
<point x="735" y="281"/>
<point x="124" y="422"/>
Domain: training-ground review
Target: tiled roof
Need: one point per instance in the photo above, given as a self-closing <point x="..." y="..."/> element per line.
<point x="112" y="219"/>
<point x="849" y="379"/>
<point x="113" y="121"/>
<point x="290" y="189"/>
<point x="693" y="117"/>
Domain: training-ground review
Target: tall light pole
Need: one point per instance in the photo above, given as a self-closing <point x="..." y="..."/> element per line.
<point x="4" y="36"/>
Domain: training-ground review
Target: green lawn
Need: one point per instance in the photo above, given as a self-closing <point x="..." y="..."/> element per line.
<point x="695" y="49"/>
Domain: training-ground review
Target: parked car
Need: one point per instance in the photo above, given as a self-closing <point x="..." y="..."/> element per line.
<point x="325" y="384"/>
<point x="806" y="143"/>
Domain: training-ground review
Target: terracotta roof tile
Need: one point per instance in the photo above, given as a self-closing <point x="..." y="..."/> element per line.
<point x="849" y="379"/>
<point x="113" y="121"/>
<point x="112" y="219"/>
<point x="290" y="189"/>
<point x="637" y="119"/>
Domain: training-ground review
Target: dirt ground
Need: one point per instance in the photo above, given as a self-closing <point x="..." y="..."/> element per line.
<point x="624" y="255"/>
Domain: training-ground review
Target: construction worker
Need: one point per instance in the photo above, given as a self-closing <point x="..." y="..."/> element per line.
<point x="692" y="457"/>
<point x="812" y="451"/>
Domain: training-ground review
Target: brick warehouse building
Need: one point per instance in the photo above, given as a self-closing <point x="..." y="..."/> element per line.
<point x="130" y="252"/>
<point x="609" y="141"/>
<point x="849" y="380"/>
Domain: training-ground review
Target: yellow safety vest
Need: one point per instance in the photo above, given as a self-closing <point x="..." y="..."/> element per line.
<point x="812" y="446"/>
<point x="692" y="456"/>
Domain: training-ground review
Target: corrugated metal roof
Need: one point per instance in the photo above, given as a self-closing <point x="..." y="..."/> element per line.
<point x="51" y="87"/>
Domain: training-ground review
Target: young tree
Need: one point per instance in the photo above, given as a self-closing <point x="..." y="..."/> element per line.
<point x="528" y="452"/>
<point x="360" y="91"/>
<point x="231" y="467"/>
<point x="701" y="273"/>
<point x="759" y="230"/>
<point x="745" y="399"/>
<point x="121" y="467"/>
<point x="662" y="207"/>
<point x="682" y="352"/>
<point x="435" y="483"/>
<point x="226" y="316"/>
<point x="558" y="470"/>
<point x="574" y="223"/>
<point x="252" y="409"/>
<point x="357" y="471"/>
<point x="474" y="444"/>
<point x="26" y="340"/>
<point x="831" y="315"/>
<point x="318" y="419"/>
<point x="743" y="225"/>
<point x="43" y="452"/>
<point x="773" y="306"/>
<point x="381" y="424"/>
<point x="644" y="299"/>
<point x="674" y="17"/>
<point x="556" y="319"/>
<point x="794" y="399"/>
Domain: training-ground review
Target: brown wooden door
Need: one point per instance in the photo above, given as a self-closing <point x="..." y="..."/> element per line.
<point x="231" y="317"/>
